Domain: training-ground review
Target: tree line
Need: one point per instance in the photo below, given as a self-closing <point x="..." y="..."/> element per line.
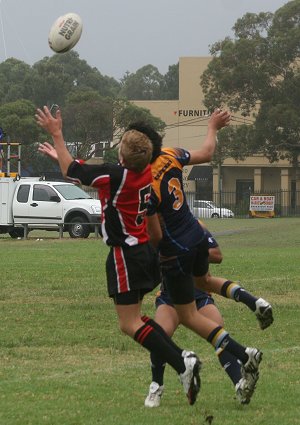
<point x="96" y="108"/>
<point x="255" y="73"/>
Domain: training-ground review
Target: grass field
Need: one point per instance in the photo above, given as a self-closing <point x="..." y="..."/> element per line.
<point x="63" y="360"/>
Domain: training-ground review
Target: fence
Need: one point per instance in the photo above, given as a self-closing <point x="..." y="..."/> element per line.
<point x="287" y="203"/>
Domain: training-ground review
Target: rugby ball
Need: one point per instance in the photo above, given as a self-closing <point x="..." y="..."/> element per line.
<point x="65" y="32"/>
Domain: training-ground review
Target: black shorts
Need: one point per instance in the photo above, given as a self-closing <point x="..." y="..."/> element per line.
<point x="202" y="299"/>
<point x="131" y="297"/>
<point x="133" y="268"/>
<point x="178" y="273"/>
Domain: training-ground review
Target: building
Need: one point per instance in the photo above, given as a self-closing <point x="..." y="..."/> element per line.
<point x="186" y="120"/>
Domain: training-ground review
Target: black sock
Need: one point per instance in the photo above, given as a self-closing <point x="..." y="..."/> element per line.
<point x="157" y="368"/>
<point x="231" y="365"/>
<point x="235" y="292"/>
<point x="220" y="339"/>
<point x="160" y="330"/>
<point x="151" y="339"/>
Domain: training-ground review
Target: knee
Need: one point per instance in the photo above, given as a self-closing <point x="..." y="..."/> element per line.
<point x="187" y="318"/>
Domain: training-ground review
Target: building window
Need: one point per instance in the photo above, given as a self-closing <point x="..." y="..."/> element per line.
<point x="100" y="148"/>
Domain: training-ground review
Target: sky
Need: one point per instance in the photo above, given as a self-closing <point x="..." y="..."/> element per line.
<point x="122" y="36"/>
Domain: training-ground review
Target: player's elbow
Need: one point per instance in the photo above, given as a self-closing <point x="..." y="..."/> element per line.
<point x="215" y="256"/>
<point x="209" y="156"/>
<point x="201" y="156"/>
<point x="215" y="259"/>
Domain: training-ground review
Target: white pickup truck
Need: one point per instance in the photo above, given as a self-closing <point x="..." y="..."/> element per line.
<point x="33" y="203"/>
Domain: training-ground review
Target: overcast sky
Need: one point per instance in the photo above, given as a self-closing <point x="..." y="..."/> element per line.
<point x="124" y="35"/>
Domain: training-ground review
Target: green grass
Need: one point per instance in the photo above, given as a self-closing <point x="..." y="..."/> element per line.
<point x="63" y="360"/>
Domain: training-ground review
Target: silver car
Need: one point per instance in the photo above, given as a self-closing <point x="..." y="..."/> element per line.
<point x="207" y="209"/>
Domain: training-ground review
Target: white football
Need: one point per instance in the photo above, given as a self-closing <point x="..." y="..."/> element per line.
<point x="65" y="32"/>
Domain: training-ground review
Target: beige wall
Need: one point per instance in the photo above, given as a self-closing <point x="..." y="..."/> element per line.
<point x="188" y="114"/>
<point x="186" y="120"/>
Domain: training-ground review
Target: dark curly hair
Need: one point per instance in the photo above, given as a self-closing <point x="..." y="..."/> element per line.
<point x="154" y="136"/>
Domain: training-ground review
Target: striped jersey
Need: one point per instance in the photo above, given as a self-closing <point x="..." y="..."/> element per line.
<point x="181" y="231"/>
<point x="124" y="195"/>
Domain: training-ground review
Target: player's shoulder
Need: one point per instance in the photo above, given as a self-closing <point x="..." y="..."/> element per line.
<point x="178" y="153"/>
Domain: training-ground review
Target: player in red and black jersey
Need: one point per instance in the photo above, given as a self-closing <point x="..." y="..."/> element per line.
<point x="132" y="268"/>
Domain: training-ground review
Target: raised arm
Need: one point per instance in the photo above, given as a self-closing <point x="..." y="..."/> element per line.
<point x="48" y="150"/>
<point x="53" y="125"/>
<point x="217" y="120"/>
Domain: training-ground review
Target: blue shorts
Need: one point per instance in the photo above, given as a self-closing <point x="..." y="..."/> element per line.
<point x="202" y="299"/>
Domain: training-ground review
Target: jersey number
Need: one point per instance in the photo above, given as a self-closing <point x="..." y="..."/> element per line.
<point x="174" y="187"/>
<point x="144" y="195"/>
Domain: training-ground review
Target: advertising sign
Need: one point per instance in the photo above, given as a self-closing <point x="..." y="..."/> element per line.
<point x="262" y="205"/>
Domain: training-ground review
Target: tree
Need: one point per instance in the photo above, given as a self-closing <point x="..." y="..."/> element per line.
<point x="18" y="122"/>
<point x="257" y="73"/>
<point x="87" y="118"/>
<point x="111" y="155"/>
<point x="232" y="143"/>
<point x="170" y="89"/>
<point x="93" y="124"/>
<point x="93" y="113"/>
<point x="145" y="84"/>
<point x="149" y="84"/>
<point x="59" y="75"/>
<point x="16" y="81"/>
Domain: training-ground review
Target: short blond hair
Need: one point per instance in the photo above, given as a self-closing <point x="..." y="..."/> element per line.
<point x="136" y="150"/>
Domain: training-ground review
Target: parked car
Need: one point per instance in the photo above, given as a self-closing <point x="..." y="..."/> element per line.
<point x="207" y="209"/>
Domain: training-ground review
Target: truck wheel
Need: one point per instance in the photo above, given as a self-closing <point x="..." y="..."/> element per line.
<point x="77" y="228"/>
<point x="215" y="215"/>
<point x="17" y="232"/>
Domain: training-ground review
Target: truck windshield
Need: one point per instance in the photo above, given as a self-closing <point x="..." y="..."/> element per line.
<point x="70" y="192"/>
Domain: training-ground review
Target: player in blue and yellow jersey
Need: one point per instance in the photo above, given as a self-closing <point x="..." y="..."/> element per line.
<point x="184" y="246"/>
<point x="181" y="231"/>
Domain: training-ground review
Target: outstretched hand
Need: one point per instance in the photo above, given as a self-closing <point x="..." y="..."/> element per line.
<point x="219" y="119"/>
<point x="44" y="118"/>
<point x="48" y="150"/>
<point x="53" y="125"/>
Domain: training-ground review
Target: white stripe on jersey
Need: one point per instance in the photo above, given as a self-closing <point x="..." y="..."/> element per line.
<point x="118" y="266"/>
<point x="105" y="176"/>
<point x="104" y="233"/>
<point x="130" y="240"/>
